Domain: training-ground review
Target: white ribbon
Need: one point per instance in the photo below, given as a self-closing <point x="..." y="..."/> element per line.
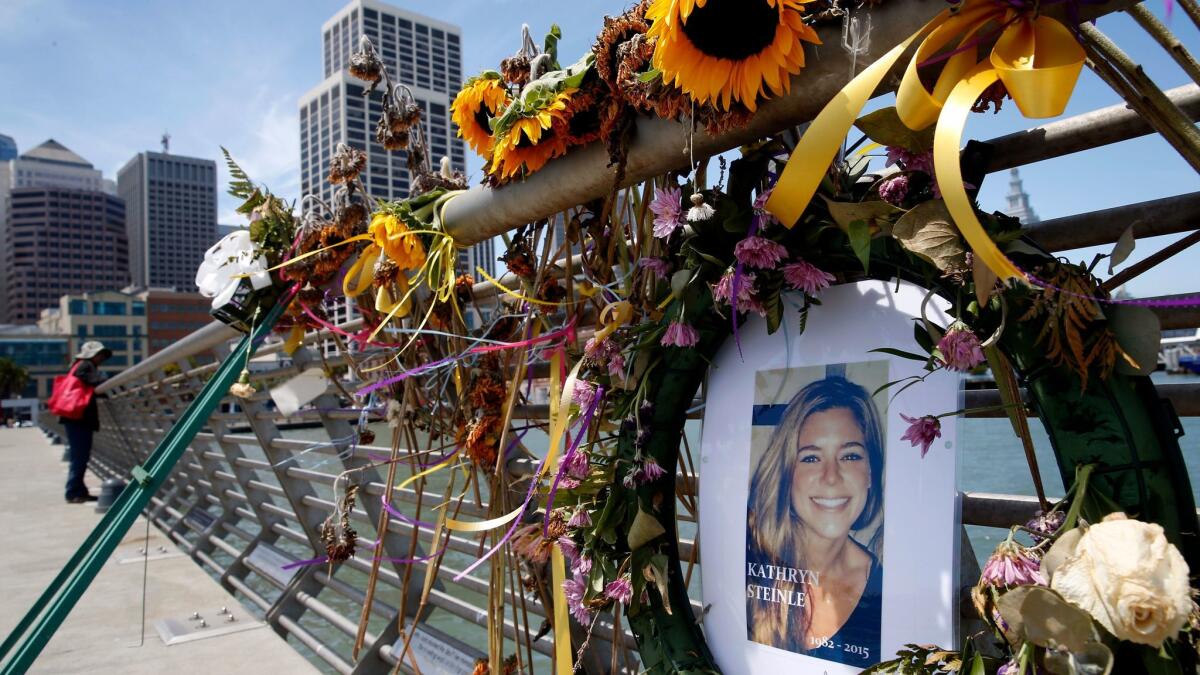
<point x="226" y="263"/>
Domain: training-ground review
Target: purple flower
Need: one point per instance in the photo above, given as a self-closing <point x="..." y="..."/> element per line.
<point x="723" y="291"/>
<point x="760" y="252"/>
<point x="581" y="518"/>
<point x="893" y="190"/>
<point x="632" y="479"/>
<point x="668" y="211"/>
<point x="960" y="348"/>
<point x="569" y="550"/>
<point x="760" y="205"/>
<point x="576" y="464"/>
<point x="620" y="589"/>
<point x="911" y="161"/>
<point x="574" y="590"/>
<point x="804" y="276"/>
<point x="583" y="394"/>
<point x="1044" y="525"/>
<point x="922" y="431"/>
<point x="582" y="565"/>
<point x="659" y="267"/>
<point x="1010" y="565"/>
<point x="680" y="334"/>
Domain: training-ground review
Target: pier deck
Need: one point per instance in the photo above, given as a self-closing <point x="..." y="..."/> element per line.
<point x="101" y="635"/>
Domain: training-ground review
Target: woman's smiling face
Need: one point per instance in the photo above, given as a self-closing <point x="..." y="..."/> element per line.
<point x="832" y="476"/>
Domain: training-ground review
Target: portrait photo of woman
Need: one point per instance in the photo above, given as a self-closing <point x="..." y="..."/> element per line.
<point x="814" y="575"/>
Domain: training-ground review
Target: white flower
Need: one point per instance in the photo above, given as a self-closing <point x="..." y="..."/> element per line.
<point x="1128" y="577"/>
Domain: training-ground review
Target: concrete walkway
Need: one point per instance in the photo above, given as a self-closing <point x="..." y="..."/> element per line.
<point x="102" y="633"/>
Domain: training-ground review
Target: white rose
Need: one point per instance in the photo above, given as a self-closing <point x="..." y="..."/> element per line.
<point x="1129" y="578"/>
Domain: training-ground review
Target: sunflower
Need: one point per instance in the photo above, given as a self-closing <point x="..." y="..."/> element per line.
<point x="721" y="51"/>
<point x="530" y="140"/>
<point x="480" y="99"/>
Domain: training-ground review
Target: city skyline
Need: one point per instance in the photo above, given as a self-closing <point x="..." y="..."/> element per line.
<point x="246" y="97"/>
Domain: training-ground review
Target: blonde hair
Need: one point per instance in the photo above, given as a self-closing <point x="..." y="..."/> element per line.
<point x="774" y="535"/>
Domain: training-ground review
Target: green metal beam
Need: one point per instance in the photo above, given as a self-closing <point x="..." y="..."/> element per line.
<point x="38" y="625"/>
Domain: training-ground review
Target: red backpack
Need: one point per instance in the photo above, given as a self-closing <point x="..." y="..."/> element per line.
<point x="71" y="396"/>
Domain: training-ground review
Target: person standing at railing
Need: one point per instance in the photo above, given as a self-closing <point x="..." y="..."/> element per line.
<point x="86" y="370"/>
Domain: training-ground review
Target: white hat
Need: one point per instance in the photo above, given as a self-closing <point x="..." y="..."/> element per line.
<point x="92" y="348"/>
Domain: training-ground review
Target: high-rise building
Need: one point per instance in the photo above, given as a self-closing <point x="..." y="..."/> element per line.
<point x="8" y="148"/>
<point x="171" y="217"/>
<point x="422" y="53"/>
<point x="1018" y="200"/>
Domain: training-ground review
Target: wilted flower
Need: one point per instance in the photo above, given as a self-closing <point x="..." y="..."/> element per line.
<point x="365" y="63"/>
<point x="616" y="365"/>
<point x="960" y="348"/>
<point x="723" y="291"/>
<point x="700" y="210"/>
<point x="1044" y="525"/>
<point x="583" y="394"/>
<point x="242" y="388"/>
<point x="576" y="464"/>
<point x="680" y="334"/>
<point x="804" y="276"/>
<point x="1128" y="577"/>
<point x="922" y="431"/>
<point x="760" y="252"/>
<point x="651" y="471"/>
<point x="667" y="211"/>
<point x="620" y="589"/>
<point x="581" y="518"/>
<point x="347" y="162"/>
<point x="659" y="267"/>
<point x="1011" y="565"/>
<point x="569" y="550"/>
<point x="893" y="190"/>
<point x="574" y="590"/>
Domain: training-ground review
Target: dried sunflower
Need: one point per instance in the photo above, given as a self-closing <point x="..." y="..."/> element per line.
<point x="480" y="99"/>
<point x="346" y="164"/>
<point x="721" y="51"/>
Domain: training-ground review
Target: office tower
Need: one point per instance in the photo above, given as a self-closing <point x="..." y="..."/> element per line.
<point x="62" y="233"/>
<point x="422" y="53"/>
<point x="1018" y="200"/>
<point x="8" y="148"/>
<point x="171" y="217"/>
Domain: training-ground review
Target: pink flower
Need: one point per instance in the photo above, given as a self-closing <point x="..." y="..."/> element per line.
<point x="583" y="394"/>
<point x="723" y="291"/>
<point x="632" y="479"/>
<point x="911" y="161"/>
<point x="576" y="465"/>
<point x="1010" y="565"/>
<point x="680" y="334"/>
<point x="760" y="205"/>
<point x="581" y="518"/>
<point x="569" y="550"/>
<point x="651" y="471"/>
<point x="960" y="348"/>
<point x="759" y="252"/>
<point x="804" y="276"/>
<point x="620" y="589"/>
<point x="668" y="211"/>
<point x="893" y="190"/>
<point x="574" y="590"/>
<point x="922" y="431"/>
<point x="582" y="565"/>
<point x="616" y="365"/>
<point x="659" y="267"/>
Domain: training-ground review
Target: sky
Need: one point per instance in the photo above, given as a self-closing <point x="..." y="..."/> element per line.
<point x="106" y="79"/>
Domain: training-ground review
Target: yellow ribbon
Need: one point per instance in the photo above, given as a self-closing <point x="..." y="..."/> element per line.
<point x="613" y="316"/>
<point x="563" y="662"/>
<point x="1037" y="58"/>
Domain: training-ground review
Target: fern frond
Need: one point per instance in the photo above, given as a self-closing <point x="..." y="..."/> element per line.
<point x="240" y="185"/>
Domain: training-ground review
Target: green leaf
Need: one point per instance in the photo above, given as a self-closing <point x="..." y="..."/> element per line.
<point x="1139" y="335"/>
<point x="1122" y="248"/>
<point x="860" y="241"/>
<point x="550" y="45"/>
<point x="644" y="529"/>
<point x="928" y="231"/>
<point x="901" y="353"/>
<point x="878" y="214"/>
<point x="885" y="128"/>
<point x="977" y="665"/>
<point x="650" y="76"/>
<point x="240" y="186"/>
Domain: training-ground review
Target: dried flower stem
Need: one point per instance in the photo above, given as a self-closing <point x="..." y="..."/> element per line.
<point x="1129" y="80"/>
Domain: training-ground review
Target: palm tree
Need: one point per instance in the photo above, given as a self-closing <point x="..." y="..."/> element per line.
<point x="13" y="377"/>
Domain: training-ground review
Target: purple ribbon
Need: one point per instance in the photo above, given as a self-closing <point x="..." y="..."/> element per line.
<point x="562" y="466"/>
<point x="398" y="561"/>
